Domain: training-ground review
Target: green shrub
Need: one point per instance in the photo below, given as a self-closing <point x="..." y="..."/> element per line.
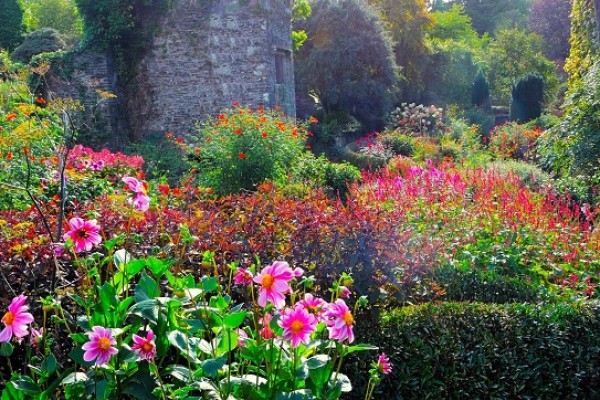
<point x="11" y="27"/>
<point x="484" y="120"/>
<point x="417" y="119"/>
<point x="45" y="40"/>
<point x="163" y="156"/>
<point x="338" y="124"/>
<point x="518" y="351"/>
<point x="339" y="176"/>
<point x="242" y="148"/>
<point x="530" y="175"/>
<point x="474" y="285"/>
<point x="351" y="153"/>
<point x="526" y="101"/>
<point x="480" y="95"/>
<point x="400" y="143"/>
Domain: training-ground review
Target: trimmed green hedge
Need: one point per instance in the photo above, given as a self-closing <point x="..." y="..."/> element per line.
<point x="481" y="351"/>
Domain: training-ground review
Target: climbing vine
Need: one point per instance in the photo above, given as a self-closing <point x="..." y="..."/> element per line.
<point x="584" y="41"/>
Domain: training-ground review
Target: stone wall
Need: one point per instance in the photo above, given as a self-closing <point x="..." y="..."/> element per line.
<point x="206" y="55"/>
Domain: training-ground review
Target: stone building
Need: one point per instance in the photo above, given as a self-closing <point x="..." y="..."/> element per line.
<point x="205" y="55"/>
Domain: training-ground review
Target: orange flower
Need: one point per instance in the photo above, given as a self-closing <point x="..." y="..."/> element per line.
<point x="222" y="117"/>
<point x="265" y="135"/>
<point x="242" y="155"/>
<point x="11" y="116"/>
<point x="179" y="140"/>
<point x="9" y="155"/>
<point x="313" y="120"/>
<point x="238" y="131"/>
<point x="169" y="135"/>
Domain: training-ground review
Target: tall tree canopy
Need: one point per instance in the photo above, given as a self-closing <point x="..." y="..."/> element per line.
<point x="407" y="21"/>
<point x="550" y="19"/>
<point x="491" y="15"/>
<point x="347" y="62"/>
<point x="11" y="26"/>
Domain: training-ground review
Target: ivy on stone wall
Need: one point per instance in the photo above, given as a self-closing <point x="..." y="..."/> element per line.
<point x="584" y="41"/>
<point x="123" y="27"/>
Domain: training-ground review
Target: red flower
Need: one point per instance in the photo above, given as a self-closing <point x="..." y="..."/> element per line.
<point x="222" y="117"/>
<point x="236" y="103"/>
<point x="40" y="100"/>
<point x="9" y="155"/>
<point x="11" y="116"/>
<point x="179" y="140"/>
<point x="238" y="131"/>
<point x="242" y="155"/>
<point x="264" y="135"/>
<point x="164" y="189"/>
<point x="313" y="120"/>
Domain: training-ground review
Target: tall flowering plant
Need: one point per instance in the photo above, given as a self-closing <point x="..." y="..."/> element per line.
<point x="242" y="147"/>
<point x="148" y="332"/>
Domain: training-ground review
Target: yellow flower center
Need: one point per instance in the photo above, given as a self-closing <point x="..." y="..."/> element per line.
<point x="147" y="347"/>
<point x="104" y="343"/>
<point x="8" y="318"/>
<point x="267" y="281"/>
<point x="297" y="326"/>
<point x="348" y="318"/>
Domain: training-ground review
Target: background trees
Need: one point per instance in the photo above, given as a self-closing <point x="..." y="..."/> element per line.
<point x="11" y="27"/>
<point x="347" y="62"/>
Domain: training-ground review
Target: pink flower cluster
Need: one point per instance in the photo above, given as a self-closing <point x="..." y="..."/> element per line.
<point x="140" y="200"/>
<point x="299" y="321"/>
<point x="85" y="158"/>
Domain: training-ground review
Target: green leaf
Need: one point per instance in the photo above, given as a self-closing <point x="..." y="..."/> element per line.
<point x="11" y="393"/>
<point x="301" y="394"/>
<point x="146" y="309"/>
<point x="147" y="288"/>
<point x="134" y="267"/>
<point x="180" y="372"/>
<point x="232" y="321"/>
<point x="317" y="361"/>
<point x="6" y="349"/>
<point x="184" y="344"/>
<point x="228" y="340"/>
<point x="121" y="258"/>
<point x="212" y="366"/>
<point x="343" y="382"/>
<point x="209" y="284"/>
<point x="360" y="347"/>
<point x="77" y="355"/>
<point x="49" y="365"/>
<point x="320" y="376"/>
<point x="26" y="384"/>
<point x="158" y="267"/>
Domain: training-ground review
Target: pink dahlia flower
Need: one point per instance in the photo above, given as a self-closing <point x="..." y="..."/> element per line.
<point x="144" y="347"/>
<point x="339" y="321"/>
<point x="383" y="364"/>
<point x="297" y="324"/>
<point x="100" y="347"/>
<point x="16" y="320"/>
<point x="140" y="200"/>
<point x="243" y="277"/>
<point x="274" y="284"/>
<point x="313" y="305"/>
<point x="84" y="234"/>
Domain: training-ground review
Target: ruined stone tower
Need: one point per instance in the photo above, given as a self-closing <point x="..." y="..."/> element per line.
<point x="205" y="55"/>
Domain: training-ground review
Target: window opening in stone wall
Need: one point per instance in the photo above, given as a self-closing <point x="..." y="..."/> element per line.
<point x="279" y="65"/>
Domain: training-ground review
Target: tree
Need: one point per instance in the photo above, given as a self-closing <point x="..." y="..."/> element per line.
<point x="11" y="27"/>
<point x="491" y="15"/>
<point x="550" y="19"/>
<point x="512" y="54"/>
<point x="347" y="62"/>
<point x="480" y="95"/>
<point x="41" y="41"/>
<point x="456" y="54"/>
<point x="527" y="95"/>
<point x="407" y="21"/>
<point x="61" y="15"/>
